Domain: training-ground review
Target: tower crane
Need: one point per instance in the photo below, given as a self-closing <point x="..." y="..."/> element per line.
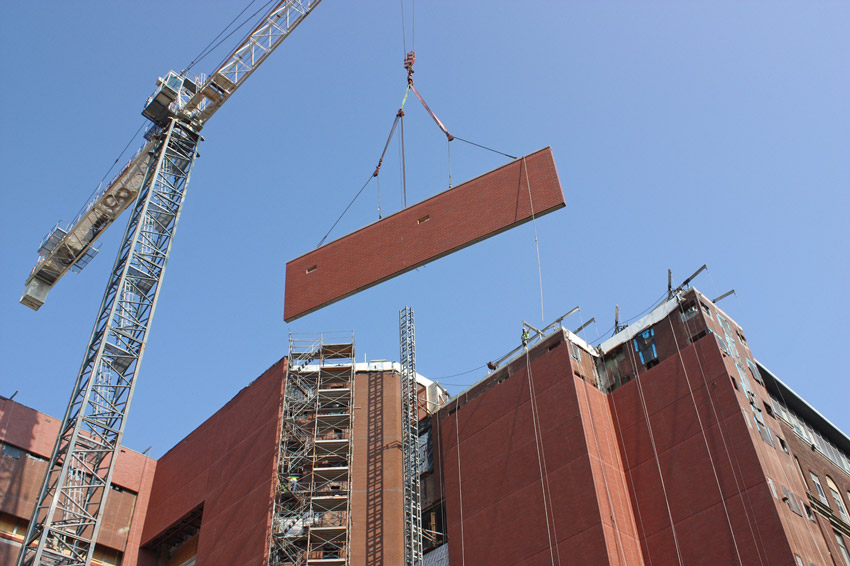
<point x="69" y="510"/>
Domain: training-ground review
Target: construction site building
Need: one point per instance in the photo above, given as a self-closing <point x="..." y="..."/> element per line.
<point x="668" y="443"/>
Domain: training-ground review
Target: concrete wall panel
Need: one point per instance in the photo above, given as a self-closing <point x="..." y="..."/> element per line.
<point x="419" y="234"/>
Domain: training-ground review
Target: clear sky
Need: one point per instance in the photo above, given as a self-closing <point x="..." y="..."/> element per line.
<point x="684" y="133"/>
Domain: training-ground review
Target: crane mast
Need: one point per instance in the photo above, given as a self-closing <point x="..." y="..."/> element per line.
<point x="69" y="511"/>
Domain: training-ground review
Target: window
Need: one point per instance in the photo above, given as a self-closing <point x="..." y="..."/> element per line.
<point x="819" y="489"/>
<point x="782" y="444"/>
<point x="791" y="500"/>
<point x="762" y="428"/>
<point x="842" y="547"/>
<point x="768" y="409"/>
<point x="722" y="343"/>
<point x="689" y="311"/>
<point x="836" y="495"/>
<point x="433" y="527"/>
<point x="808" y="511"/>
<point x="799" y="560"/>
<point x="575" y="352"/>
<point x="11" y="451"/>
<point x="705" y="309"/>
<point x="644" y="344"/>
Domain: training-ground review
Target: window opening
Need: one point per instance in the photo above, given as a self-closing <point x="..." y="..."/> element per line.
<point x="768" y="409"/>
<point x="836" y="495"/>
<point x="782" y="444"/>
<point x="705" y="309"/>
<point x="754" y="371"/>
<point x="644" y="344"/>
<point x="11" y="451"/>
<point x="575" y="352"/>
<point x="809" y="514"/>
<point x="842" y="547"/>
<point x="789" y="498"/>
<point x="722" y="343"/>
<point x="689" y="311"/>
<point x="818" y="488"/>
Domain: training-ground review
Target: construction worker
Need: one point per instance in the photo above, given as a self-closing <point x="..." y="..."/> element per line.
<point x="524" y="336"/>
<point x="293" y="483"/>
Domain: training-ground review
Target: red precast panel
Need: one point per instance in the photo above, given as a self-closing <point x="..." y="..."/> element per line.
<point x="438" y="226"/>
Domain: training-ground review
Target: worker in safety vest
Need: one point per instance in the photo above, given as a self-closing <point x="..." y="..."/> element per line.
<point x="524" y="336"/>
<point x="293" y="483"/>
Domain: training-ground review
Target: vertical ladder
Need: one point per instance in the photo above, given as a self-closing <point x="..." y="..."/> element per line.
<point x="69" y="510"/>
<point x="410" y="440"/>
<point x="311" y="520"/>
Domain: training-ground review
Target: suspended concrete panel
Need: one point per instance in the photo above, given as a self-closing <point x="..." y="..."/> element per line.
<point x="438" y="226"/>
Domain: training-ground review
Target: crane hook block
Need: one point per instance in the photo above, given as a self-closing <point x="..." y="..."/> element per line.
<point x="408" y="61"/>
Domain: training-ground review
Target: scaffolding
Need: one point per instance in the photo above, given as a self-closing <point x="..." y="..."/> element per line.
<point x="410" y="440"/>
<point x="311" y="517"/>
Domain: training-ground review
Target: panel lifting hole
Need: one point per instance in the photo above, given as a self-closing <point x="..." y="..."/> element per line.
<point x="424" y="219"/>
<point x="312" y="268"/>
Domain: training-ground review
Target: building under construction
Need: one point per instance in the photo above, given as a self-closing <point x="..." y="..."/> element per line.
<point x="669" y="443"/>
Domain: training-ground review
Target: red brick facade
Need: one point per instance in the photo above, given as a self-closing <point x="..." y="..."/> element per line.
<point x="678" y="461"/>
<point x="438" y="226"/>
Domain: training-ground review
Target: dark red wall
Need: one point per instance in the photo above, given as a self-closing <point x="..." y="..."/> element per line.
<point x="20" y="479"/>
<point x="502" y="506"/>
<point x="459" y="217"/>
<point x="228" y="465"/>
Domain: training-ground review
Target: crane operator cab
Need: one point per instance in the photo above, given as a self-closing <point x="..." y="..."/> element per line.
<point x="157" y="106"/>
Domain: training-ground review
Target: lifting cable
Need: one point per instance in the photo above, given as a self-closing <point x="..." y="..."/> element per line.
<point x="631" y="476"/>
<point x="620" y="549"/>
<point x="705" y="441"/>
<point x="459" y="488"/>
<point x="536" y="242"/>
<point x="655" y="453"/>
<point x="541" y="464"/>
<point x="409" y="59"/>
<point x="737" y="462"/>
<point x="725" y="444"/>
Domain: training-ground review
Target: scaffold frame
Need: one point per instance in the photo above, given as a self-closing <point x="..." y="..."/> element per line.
<point x="311" y="512"/>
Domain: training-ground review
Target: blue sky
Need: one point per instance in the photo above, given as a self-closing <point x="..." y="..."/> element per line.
<point x="684" y="134"/>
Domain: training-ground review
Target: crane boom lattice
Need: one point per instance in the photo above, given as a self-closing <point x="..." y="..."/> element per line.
<point x="70" y="507"/>
<point x="410" y="440"/>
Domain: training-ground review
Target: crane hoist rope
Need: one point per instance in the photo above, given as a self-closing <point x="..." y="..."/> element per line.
<point x="398" y="122"/>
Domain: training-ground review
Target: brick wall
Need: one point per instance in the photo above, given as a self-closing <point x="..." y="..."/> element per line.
<point x="440" y="225"/>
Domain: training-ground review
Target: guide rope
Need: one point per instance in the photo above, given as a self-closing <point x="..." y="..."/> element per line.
<point x="720" y="422"/>
<point x="631" y="479"/>
<point x="536" y="241"/>
<point x="705" y="440"/>
<point x="655" y="453"/>
<point x="459" y="488"/>
<point x="541" y="464"/>
<point x="620" y="548"/>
